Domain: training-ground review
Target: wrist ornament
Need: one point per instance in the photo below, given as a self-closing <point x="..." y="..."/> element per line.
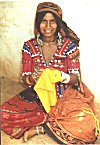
<point x="65" y="77"/>
<point x="28" y="81"/>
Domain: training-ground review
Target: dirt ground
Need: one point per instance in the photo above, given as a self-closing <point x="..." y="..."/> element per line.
<point x="9" y="89"/>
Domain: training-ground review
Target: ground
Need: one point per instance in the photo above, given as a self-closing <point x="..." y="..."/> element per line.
<point x="9" y="89"/>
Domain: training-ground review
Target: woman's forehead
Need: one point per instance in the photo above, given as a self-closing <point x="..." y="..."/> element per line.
<point x="48" y="16"/>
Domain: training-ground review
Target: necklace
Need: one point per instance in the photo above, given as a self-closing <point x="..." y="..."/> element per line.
<point x="50" y="43"/>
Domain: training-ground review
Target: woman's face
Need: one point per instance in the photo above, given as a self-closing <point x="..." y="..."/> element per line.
<point x="48" y="26"/>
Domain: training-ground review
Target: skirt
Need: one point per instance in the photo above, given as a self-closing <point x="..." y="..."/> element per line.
<point x="22" y="112"/>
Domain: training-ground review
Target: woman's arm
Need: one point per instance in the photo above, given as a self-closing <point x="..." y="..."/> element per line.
<point x="27" y="76"/>
<point x="73" y="67"/>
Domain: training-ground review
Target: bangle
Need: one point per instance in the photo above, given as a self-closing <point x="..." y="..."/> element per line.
<point x="31" y="78"/>
<point x="65" y="77"/>
<point x="28" y="81"/>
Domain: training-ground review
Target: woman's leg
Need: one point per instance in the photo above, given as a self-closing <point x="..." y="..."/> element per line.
<point x="39" y="130"/>
<point x="32" y="132"/>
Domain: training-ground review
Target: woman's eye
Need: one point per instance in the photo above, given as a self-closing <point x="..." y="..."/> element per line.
<point x="53" y="21"/>
<point x="43" y="21"/>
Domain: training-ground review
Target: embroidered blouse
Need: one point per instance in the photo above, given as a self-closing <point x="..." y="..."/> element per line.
<point x="66" y="59"/>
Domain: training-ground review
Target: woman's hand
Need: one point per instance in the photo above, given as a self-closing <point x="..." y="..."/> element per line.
<point x="39" y="72"/>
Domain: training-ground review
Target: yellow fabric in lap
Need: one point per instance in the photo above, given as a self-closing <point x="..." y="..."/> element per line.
<point x="45" y="87"/>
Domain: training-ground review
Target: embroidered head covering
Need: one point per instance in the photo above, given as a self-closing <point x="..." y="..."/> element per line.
<point x="49" y="6"/>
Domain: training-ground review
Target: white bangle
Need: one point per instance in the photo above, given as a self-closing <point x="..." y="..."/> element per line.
<point x="65" y="77"/>
<point x="37" y="129"/>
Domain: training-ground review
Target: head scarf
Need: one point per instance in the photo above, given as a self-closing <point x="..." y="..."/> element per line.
<point x="51" y="7"/>
<point x="54" y="8"/>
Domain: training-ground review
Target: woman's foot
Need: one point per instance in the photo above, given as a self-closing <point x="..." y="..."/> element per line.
<point x="32" y="132"/>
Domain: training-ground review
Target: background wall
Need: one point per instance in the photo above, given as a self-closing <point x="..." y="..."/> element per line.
<point x="16" y="26"/>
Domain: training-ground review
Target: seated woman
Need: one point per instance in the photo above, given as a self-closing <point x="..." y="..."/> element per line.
<point x="54" y="101"/>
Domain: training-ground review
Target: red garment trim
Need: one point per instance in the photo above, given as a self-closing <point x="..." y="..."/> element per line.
<point x="65" y="44"/>
<point x="31" y="45"/>
<point x="73" y="54"/>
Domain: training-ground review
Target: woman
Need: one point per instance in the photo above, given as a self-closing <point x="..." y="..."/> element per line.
<point x="53" y="54"/>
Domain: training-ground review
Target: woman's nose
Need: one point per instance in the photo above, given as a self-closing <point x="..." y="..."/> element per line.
<point x="48" y="25"/>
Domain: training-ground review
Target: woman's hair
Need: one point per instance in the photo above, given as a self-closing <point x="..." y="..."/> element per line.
<point x="39" y="18"/>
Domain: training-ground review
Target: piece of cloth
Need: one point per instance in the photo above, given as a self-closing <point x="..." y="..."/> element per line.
<point x="65" y="77"/>
<point x="45" y="87"/>
<point x="49" y="6"/>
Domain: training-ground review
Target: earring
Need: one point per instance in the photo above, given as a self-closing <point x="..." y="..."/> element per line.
<point x="39" y="41"/>
<point x="59" y="39"/>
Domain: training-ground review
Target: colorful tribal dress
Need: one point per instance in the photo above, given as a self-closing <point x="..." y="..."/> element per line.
<point x="25" y="109"/>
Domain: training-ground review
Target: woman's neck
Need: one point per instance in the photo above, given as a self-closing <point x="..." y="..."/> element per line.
<point x="49" y="39"/>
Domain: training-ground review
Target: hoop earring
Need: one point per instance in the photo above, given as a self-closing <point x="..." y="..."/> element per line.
<point x="59" y="39"/>
<point x="39" y="41"/>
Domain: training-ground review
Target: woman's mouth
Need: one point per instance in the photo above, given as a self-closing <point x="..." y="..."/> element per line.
<point x="48" y="31"/>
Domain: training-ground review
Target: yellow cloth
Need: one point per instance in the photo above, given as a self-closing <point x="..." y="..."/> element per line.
<point x="45" y="87"/>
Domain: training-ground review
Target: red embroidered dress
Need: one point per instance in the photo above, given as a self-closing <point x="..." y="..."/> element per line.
<point x="66" y="59"/>
<point x="22" y="112"/>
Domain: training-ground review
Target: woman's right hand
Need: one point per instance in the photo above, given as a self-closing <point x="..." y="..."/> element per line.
<point x="39" y="72"/>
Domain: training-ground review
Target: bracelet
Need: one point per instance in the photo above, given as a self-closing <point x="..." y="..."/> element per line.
<point x="65" y="77"/>
<point x="37" y="129"/>
<point x="31" y="78"/>
<point x="28" y="81"/>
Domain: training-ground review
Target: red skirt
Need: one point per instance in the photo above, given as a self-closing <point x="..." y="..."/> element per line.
<point x="22" y="112"/>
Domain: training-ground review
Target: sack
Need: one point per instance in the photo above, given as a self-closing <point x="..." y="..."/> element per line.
<point x="72" y="120"/>
<point x="18" y="115"/>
